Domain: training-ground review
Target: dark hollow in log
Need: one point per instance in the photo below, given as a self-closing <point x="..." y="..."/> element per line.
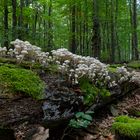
<point x="7" y="134"/>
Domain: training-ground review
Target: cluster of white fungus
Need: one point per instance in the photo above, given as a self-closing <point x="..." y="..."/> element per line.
<point x="72" y="65"/>
<point x="3" y="51"/>
<point x="76" y="66"/>
<point x="124" y="74"/>
<point x="24" y="50"/>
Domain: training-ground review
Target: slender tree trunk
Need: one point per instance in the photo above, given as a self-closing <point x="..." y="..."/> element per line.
<point x="80" y="33"/>
<point x="113" y="41"/>
<point x="45" y="29"/>
<point x="107" y="33"/>
<point x="73" y="30"/>
<point x="14" y="20"/>
<point x="39" y="31"/>
<point x="133" y="11"/>
<point x="116" y="33"/>
<point x="79" y="24"/>
<point x="96" y="39"/>
<point x="84" y="35"/>
<point x="27" y="24"/>
<point x="34" y="25"/>
<point x="50" y="32"/>
<point x="6" y="42"/>
<point x="20" y="20"/>
<point x="86" y="27"/>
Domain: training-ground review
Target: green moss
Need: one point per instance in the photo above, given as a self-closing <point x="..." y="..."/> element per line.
<point x="115" y="65"/>
<point x="112" y="69"/>
<point x="126" y="119"/>
<point x="24" y="64"/>
<point x="51" y="68"/>
<point x="134" y="64"/>
<point x="15" y="80"/>
<point x="127" y="126"/>
<point x="7" y="60"/>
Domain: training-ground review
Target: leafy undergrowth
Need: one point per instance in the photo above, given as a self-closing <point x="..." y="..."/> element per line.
<point x="127" y="126"/>
<point x="82" y="120"/>
<point x="19" y="80"/>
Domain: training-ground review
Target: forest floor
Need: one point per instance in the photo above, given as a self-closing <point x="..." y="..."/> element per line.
<point x="100" y="128"/>
<point x="24" y="114"/>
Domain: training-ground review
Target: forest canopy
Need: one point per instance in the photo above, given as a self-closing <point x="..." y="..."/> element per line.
<point x="106" y="29"/>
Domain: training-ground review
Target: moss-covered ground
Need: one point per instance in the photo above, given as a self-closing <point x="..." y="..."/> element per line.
<point x="127" y="126"/>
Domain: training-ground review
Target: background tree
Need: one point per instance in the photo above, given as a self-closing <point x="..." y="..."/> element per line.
<point x="6" y="23"/>
<point x="14" y="20"/>
<point x="105" y="29"/>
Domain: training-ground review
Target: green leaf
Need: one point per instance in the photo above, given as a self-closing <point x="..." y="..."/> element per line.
<point x="74" y="123"/>
<point x="87" y="117"/>
<point x="79" y="114"/>
<point x="84" y="123"/>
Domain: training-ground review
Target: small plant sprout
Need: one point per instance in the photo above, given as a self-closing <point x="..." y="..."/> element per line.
<point x="81" y="120"/>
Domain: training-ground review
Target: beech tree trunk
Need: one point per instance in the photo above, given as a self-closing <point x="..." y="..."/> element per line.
<point x="96" y="39"/>
<point x="73" y="29"/>
<point x="135" y="55"/>
<point x="133" y="20"/>
<point x="50" y="32"/>
<point x="20" y="21"/>
<point x="6" y="23"/>
<point x="113" y="35"/>
<point x="14" y="20"/>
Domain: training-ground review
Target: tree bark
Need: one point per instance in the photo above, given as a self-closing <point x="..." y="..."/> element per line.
<point x="27" y="2"/>
<point x="133" y="21"/>
<point x="96" y="39"/>
<point x="6" y="42"/>
<point x="50" y="32"/>
<point x="20" y="20"/>
<point x="14" y="20"/>
<point x="73" y="29"/>
<point x="45" y="29"/>
<point x="135" y="54"/>
<point x="113" y="42"/>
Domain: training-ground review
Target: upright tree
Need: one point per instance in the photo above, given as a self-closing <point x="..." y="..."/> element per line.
<point x="50" y="31"/>
<point x="96" y="39"/>
<point x="14" y="20"/>
<point x="6" y="23"/>
<point x="133" y="12"/>
<point x="73" y="27"/>
<point x="20" y="20"/>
